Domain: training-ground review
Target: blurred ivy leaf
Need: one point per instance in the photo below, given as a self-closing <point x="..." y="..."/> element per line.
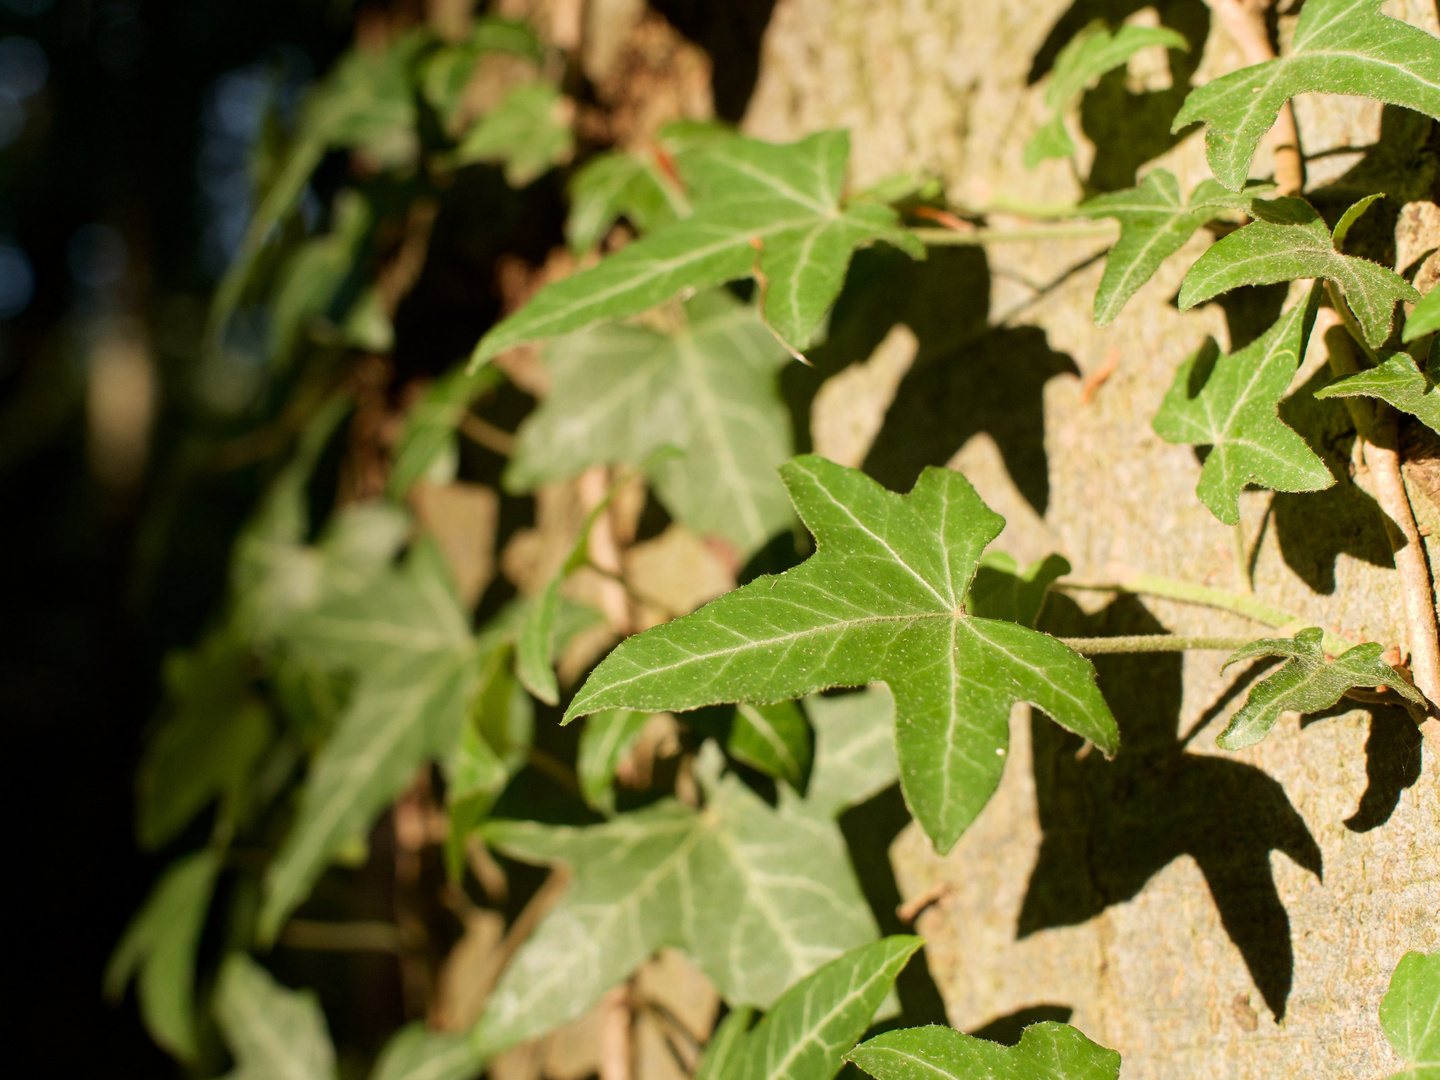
<point x="1410" y="1015"/>
<point x="160" y="946"/>
<point x="417" y="1053"/>
<point x="409" y="643"/>
<point x="431" y="423"/>
<point x="1088" y="55"/>
<point x="272" y="1032"/>
<point x="1397" y="380"/>
<point x="1047" y="1051"/>
<point x="758" y="896"/>
<point x="1339" y="47"/>
<point x="882" y="599"/>
<point x="1305" y="683"/>
<point x="528" y="133"/>
<point x="854" y="748"/>
<point x="765" y="211"/>
<point x="774" y="739"/>
<point x="707" y="389"/>
<point x="620" y="184"/>
<point x="1425" y="319"/>
<point x="605" y="740"/>
<point x="312" y="278"/>
<point x="448" y="70"/>
<point x="724" y="1053"/>
<point x="1154" y="224"/>
<point x="807" y="1031"/>
<point x="1230" y="403"/>
<point x="1289" y="240"/>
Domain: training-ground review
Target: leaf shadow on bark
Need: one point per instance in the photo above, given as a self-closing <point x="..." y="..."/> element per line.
<point x="1007" y="1030"/>
<point x="1394" y="753"/>
<point x="1109" y="827"/>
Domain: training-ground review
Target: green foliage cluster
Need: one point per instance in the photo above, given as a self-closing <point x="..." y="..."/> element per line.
<point x="347" y="661"/>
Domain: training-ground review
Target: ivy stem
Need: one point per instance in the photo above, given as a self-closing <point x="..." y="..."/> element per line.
<point x="1148" y="643"/>
<point x="937" y="237"/>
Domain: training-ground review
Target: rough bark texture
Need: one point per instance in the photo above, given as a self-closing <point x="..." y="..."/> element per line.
<point x="1178" y="901"/>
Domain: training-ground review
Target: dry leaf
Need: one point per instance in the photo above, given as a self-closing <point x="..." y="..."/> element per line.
<point x="659" y="738"/>
<point x="462" y="517"/>
<point x="469" y="972"/>
<point x="654" y="1050"/>
<point x="675" y="985"/>
<point x="572" y="1052"/>
<point x="518" y="1063"/>
<point x="676" y="572"/>
<point x="849" y="409"/>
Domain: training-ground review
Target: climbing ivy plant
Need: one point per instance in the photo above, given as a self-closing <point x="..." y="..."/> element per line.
<point x="349" y="681"/>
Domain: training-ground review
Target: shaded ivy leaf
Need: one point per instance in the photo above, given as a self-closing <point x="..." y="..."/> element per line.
<point x="160" y="945"/>
<point x="806" y="1033"/>
<point x="1397" y="380"/>
<point x="774" y="739"/>
<point x="1001" y="590"/>
<point x="761" y="210"/>
<point x="528" y="132"/>
<point x="1305" y="683"/>
<point x="313" y="276"/>
<point x="758" y="896"/>
<point x="449" y="69"/>
<point x="417" y="1053"/>
<point x="615" y="185"/>
<point x="1425" y="319"/>
<point x="725" y="1052"/>
<point x="273" y="1033"/>
<point x="408" y="642"/>
<point x="607" y="737"/>
<point x="1047" y="1051"/>
<point x="708" y="389"/>
<point x="1088" y="55"/>
<point x="1339" y="47"/>
<point x="432" y="421"/>
<point x="1410" y="1015"/>
<point x="882" y="599"/>
<point x="1230" y="403"/>
<point x="1154" y="224"/>
<point x="1289" y="240"/>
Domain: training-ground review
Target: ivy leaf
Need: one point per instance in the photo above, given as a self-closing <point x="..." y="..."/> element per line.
<point x="774" y="739"/>
<point x="1289" y="240"/>
<point x="431" y="423"/>
<point x="1339" y="47"/>
<point x="1047" y="1051"/>
<point x="1088" y="55"/>
<point x="160" y="945"/>
<point x="1306" y="683"/>
<point x="273" y="1033"/>
<point x="854" y="748"/>
<point x="1425" y="319"/>
<point x="708" y="389"/>
<point x="1410" y="1015"/>
<point x="608" y="736"/>
<point x="313" y="276"/>
<point x="450" y="68"/>
<point x="1396" y="380"/>
<point x="616" y="185"/>
<point x="528" y="133"/>
<point x="725" y="1052"/>
<point x="408" y="641"/>
<point x="1230" y="403"/>
<point x="1001" y="590"/>
<point x="759" y="897"/>
<point x="417" y="1053"/>
<point x="1154" y="224"/>
<point x="761" y="210"/>
<point x="882" y="599"/>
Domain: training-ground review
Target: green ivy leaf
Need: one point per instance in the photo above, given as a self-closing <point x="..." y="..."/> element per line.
<point x="312" y="278"/>
<point x="1410" y="1015"/>
<point x="725" y="1052"/>
<point x="615" y="185"/>
<point x="1425" y="319"/>
<point x="1289" y="241"/>
<point x="880" y="600"/>
<point x="449" y="69"/>
<point x="273" y="1033"/>
<point x="774" y="739"/>
<point x="1339" y="47"/>
<point x="607" y="737"/>
<point x="854" y="748"/>
<point x="1088" y="55"/>
<point x="1154" y="224"/>
<point x="1047" y="1051"/>
<point x="709" y="390"/>
<point x="1001" y="590"/>
<point x="761" y="210"/>
<point x="528" y="133"/>
<point x="1230" y="403"/>
<point x="758" y="896"/>
<point x="417" y="1053"/>
<point x="160" y="945"/>
<point x="1306" y="683"/>
<point x="431" y="423"/>
<point x="1397" y="380"/>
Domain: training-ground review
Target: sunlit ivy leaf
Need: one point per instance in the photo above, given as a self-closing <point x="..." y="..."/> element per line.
<point x="708" y="389"/>
<point x="449" y="69"/>
<point x="1397" y="380"/>
<point x="806" y="1033"/>
<point x="1088" y="55"/>
<point x="880" y="600"/>
<point x="758" y="896"/>
<point x="620" y="184"/>
<point x="1305" y="683"/>
<point x="431" y="422"/>
<point x="1047" y="1051"/>
<point x="1230" y="403"/>
<point x="1154" y="224"/>
<point x="1410" y="1015"/>
<point x="607" y="737"/>
<point x="1001" y="590"/>
<point x="1425" y="319"/>
<point x="1289" y="241"/>
<point x="409" y="643"/>
<point x="273" y="1033"/>
<point x="417" y="1053"/>
<point x="762" y="210"/>
<point x="528" y="132"/>
<point x="1339" y="47"/>
<point x="160" y="947"/>
<point x="774" y="739"/>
